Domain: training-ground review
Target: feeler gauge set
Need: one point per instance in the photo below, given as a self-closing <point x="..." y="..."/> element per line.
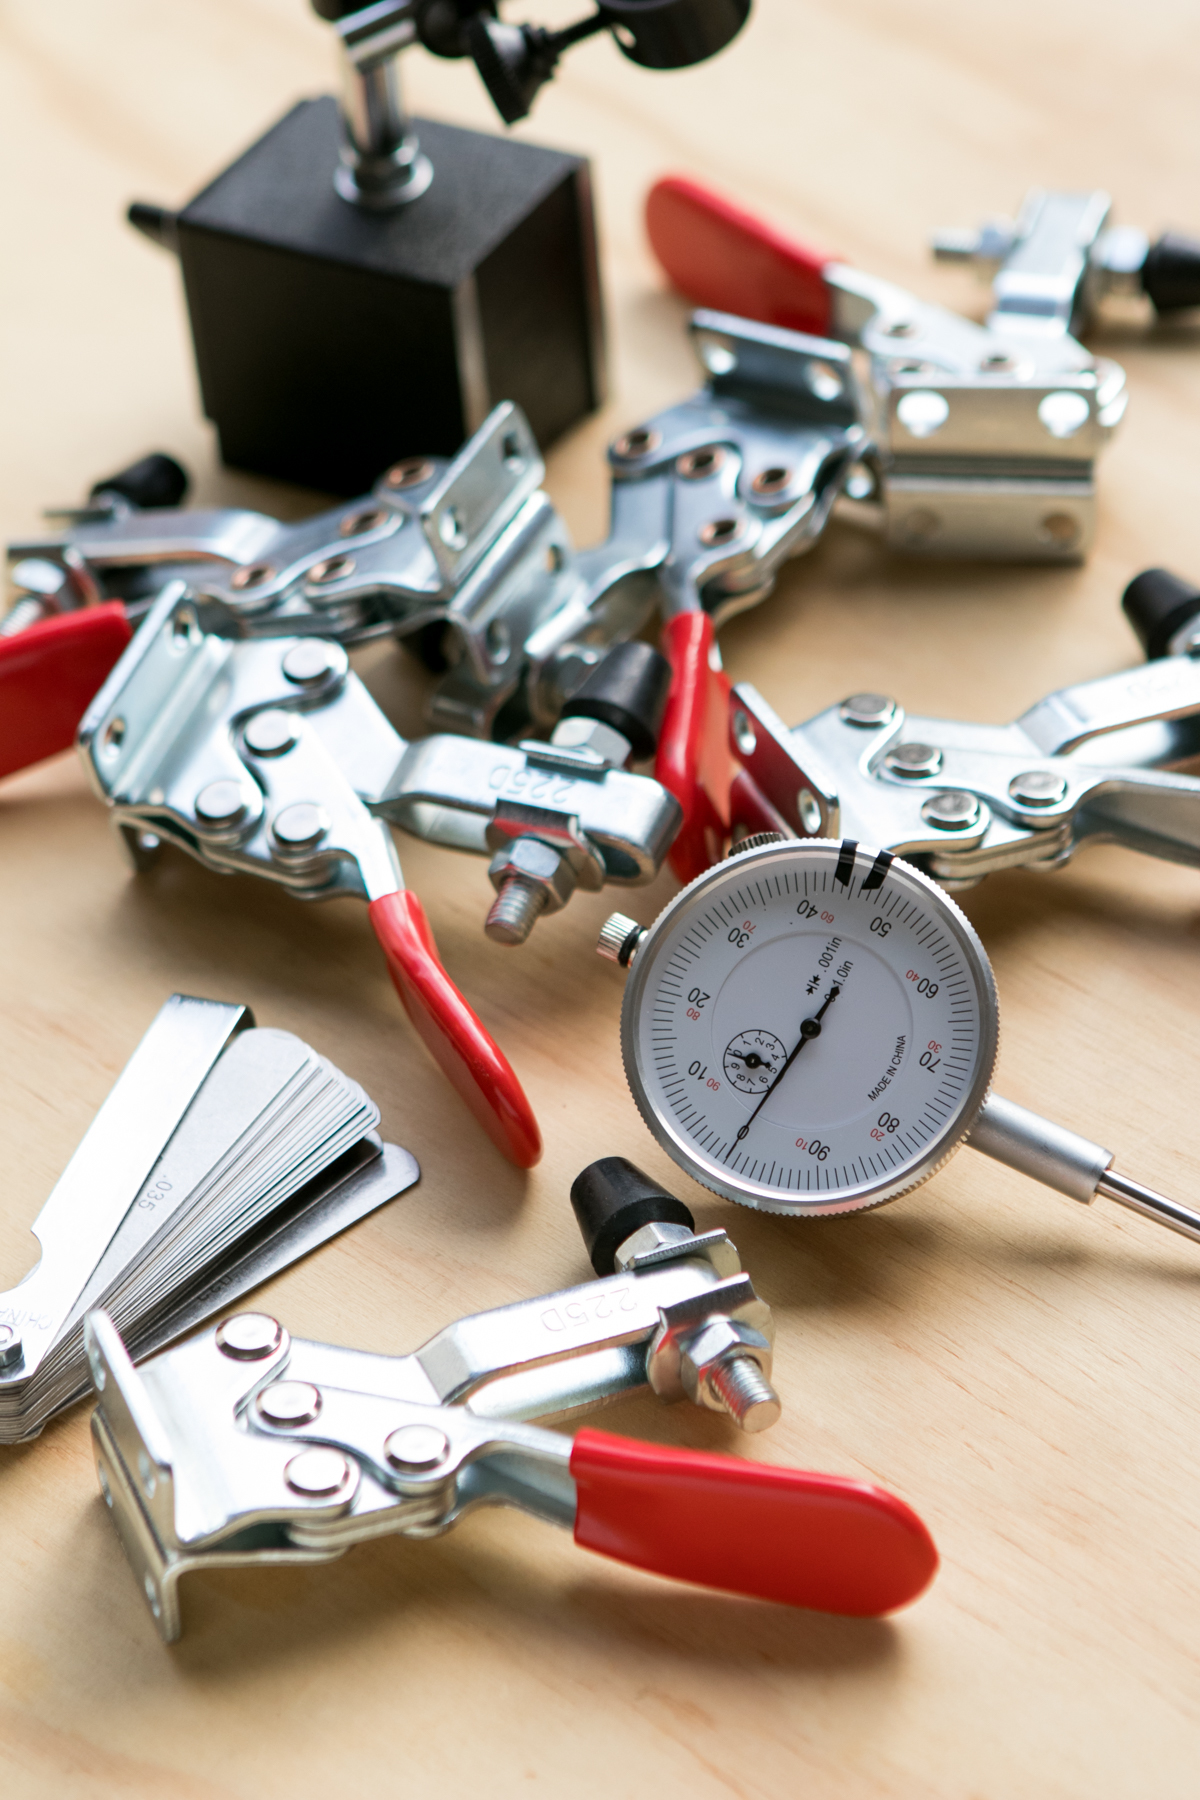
<point x="222" y="1153"/>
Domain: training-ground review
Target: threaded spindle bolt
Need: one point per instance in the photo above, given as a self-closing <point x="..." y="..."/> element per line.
<point x="26" y="611"/>
<point x="744" y="1391"/>
<point x="514" y="911"/>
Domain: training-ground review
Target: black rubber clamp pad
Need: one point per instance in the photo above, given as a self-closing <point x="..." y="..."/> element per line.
<point x="612" y="1199"/>
<point x="628" y="691"/>
<point x="1171" y="272"/>
<point x="1157" y="605"/>
<point x="154" y="480"/>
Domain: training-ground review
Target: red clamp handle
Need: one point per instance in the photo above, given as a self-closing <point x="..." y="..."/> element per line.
<point x="49" y="674"/>
<point x="821" y="1541"/>
<point x="694" y="760"/>
<point x="456" y="1038"/>
<point x="722" y="257"/>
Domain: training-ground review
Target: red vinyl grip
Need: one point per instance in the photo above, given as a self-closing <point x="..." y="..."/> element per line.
<point x="49" y="674"/>
<point x="694" y="760"/>
<point x="720" y="256"/>
<point x="820" y="1541"/>
<point x="456" y="1038"/>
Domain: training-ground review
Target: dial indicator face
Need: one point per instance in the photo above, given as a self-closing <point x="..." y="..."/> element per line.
<point x="810" y="1027"/>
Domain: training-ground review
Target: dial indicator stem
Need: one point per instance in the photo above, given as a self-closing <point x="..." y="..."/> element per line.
<point x="1074" y="1165"/>
<point x="1144" y="1200"/>
<point x="810" y="1029"/>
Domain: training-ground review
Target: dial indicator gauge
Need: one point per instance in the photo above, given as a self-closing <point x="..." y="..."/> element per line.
<point x="810" y="1027"/>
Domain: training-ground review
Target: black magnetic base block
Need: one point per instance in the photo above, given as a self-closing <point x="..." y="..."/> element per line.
<point x="331" y="341"/>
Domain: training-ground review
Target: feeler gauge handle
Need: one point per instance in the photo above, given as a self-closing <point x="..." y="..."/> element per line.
<point x="1072" y="1164"/>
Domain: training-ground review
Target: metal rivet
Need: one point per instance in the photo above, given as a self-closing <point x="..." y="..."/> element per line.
<point x="951" y="810"/>
<point x="10" y="1346"/>
<point x="221" y="803"/>
<point x="770" y="483"/>
<point x="921" y="524"/>
<point x="251" y="575"/>
<point x="147" y="1475"/>
<point x="636" y="443"/>
<point x="498" y="638"/>
<point x="867" y="709"/>
<point x="1059" y="528"/>
<point x="270" y="733"/>
<point x="290" y="1403"/>
<point x="417" y="1447"/>
<point x="333" y="568"/>
<point x="370" y="518"/>
<point x="744" y="734"/>
<point x="860" y="483"/>
<point x="900" y="328"/>
<point x="317" y="1473"/>
<point x="300" y="826"/>
<point x="308" y="660"/>
<point x="1037" y="787"/>
<point x="185" y="628"/>
<point x="698" y="465"/>
<point x="452" y="528"/>
<point x="824" y="380"/>
<point x="922" y="412"/>
<point x="914" y="759"/>
<point x="248" y="1336"/>
<point x="114" y="736"/>
<point x="152" y="1596"/>
<point x="716" y="352"/>
<point x="1062" y="413"/>
<point x="410" y="473"/>
<point x="808" y="808"/>
<point x="719" y="531"/>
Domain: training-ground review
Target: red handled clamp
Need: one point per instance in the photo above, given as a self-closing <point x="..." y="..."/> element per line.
<point x="334" y="1446"/>
<point x="267" y="756"/>
<point x="63" y="633"/>
<point x="985" y="437"/>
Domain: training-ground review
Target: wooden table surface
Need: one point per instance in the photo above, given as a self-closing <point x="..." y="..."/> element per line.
<point x="1022" y="1371"/>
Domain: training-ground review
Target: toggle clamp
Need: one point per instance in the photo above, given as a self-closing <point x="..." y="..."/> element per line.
<point x="267" y="756"/>
<point x="985" y="437"/>
<point x="245" y="1447"/>
<point x="1053" y="265"/>
<point x="1095" y="762"/>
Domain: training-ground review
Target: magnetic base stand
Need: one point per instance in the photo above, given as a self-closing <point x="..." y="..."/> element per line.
<point x="332" y="340"/>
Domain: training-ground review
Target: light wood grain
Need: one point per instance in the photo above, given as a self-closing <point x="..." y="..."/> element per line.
<point x="1022" y="1370"/>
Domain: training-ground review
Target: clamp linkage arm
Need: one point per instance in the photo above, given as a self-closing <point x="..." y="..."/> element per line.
<point x="242" y="1446"/>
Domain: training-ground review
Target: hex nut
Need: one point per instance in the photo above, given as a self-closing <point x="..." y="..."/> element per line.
<point x="715" y="1339"/>
<point x="534" y="864"/>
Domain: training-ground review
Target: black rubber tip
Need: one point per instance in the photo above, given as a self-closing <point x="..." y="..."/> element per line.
<point x="154" y="480"/>
<point x="1157" y="605"/>
<point x="158" y="223"/>
<point x="1171" y="272"/>
<point x="613" y="1199"/>
<point x="628" y="691"/>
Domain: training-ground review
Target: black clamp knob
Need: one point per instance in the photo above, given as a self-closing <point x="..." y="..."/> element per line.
<point x="628" y="691"/>
<point x="1171" y="272"/>
<point x="1159" y="606"/>
<point x="612" y="1199"/>
<point x="154" y="480"/>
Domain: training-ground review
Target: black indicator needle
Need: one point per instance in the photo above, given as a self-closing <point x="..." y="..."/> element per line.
<point x="810" y="1029"/>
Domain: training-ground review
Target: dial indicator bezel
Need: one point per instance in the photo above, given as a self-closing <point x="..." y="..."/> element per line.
<point x="823" y="861"/>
